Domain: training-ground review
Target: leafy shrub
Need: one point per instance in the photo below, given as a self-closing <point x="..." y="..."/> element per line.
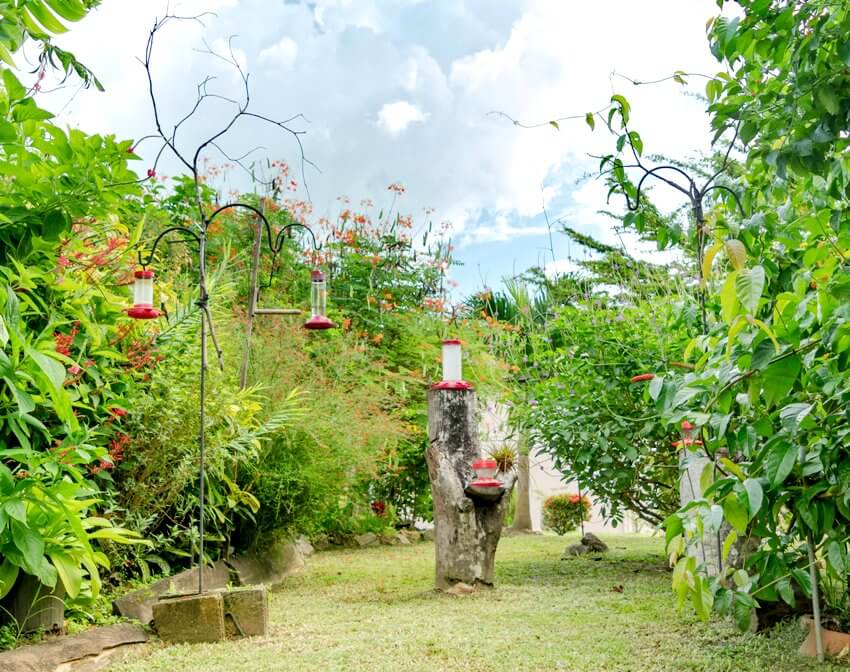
<point x="564" y="513"/>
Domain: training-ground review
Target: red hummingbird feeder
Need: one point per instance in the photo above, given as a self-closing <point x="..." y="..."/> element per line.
<point x="143" y="297"/>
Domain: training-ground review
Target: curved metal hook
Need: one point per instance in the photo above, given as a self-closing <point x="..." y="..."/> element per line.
<point x="279" y="239"/>
<point x="182" y="229"/>
<point x="652" y="173"/>
<point x="731" y="191"/>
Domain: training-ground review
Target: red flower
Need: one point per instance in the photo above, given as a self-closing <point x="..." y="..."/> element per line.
<point x="151" y="172"/>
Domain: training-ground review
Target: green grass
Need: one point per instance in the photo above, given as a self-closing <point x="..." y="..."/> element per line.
<point x="375" y="610"/>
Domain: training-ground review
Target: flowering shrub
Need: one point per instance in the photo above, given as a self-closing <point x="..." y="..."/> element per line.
<point x="564" y="513"/>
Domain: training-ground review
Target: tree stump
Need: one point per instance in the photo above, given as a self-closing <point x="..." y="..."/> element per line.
<point x="467" y="529"/>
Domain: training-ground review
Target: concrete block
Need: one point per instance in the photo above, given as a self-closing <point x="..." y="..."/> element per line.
<point x="246" y="611"/>
<point x="139" y="603"/>
<point x="190" y="618"/>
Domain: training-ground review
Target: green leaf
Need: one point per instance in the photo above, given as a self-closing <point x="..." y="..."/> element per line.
<point x="735" y="512"/>
<point x="828" y="98"/>
<point x="16" y="508"/>
<point x="70" y="10"/>
<point x="780" y="461"/>
<point x="554" y="124"/>
<point x="736" y="252"/>
<point x="743" y="610"/>
<point x="728" y="298"/>
<point x="755" y="496"/>
<point x="27" y="109"/>
<point x="778" y="379"/>
<point x="69" y="572"/>
<point x="792" y="415"/>
<point x="30" y="544"/>
<point x="836" y="554"/>
<point x="14" y="88"/>
<point x="727" y="545"/>
<point x="844" y="53"/>
<point x="590" y="120"/>
<point x="45" y="18"/>
<point x="708" y="260"/>
<point x="8" y="576"/>
<point x="749" y="286"/>
<point x="54" y="371"/>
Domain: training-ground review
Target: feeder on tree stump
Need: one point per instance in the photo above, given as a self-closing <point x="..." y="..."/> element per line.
<point x="467" y="525"/>
<point x="485" y="486"/>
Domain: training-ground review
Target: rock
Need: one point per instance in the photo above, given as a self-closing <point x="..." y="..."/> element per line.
<point x="390" y="539"/>
<point x="269" y="566"/>
<point x="49" y="656"/>
<point x="594" y="544"/>
<point x="304" y="547"/>
<point x="413" y="536"/>
<point x="429" y="535"/>
<point x="190" y="618"/>
<point x="368" y="539"/>
<point x="246" y="612"/>
<point x="460" y="588"/>
<point x="403" y="540"/>
<point x="322" y="543"/>
<point x="139" y="603"/>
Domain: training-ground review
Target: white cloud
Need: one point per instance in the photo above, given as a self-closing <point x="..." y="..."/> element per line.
<point x="281" y="55"/>
<point x="394" y="118"/>
<point x="366" y="71"/>
<point x="499" y="230"/>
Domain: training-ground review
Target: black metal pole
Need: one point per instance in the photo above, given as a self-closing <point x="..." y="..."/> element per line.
<point x="202" y="302"/>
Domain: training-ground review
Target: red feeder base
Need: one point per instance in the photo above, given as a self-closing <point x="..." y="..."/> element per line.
<point x="319" y="322"/>
<point x="451" y="385"/>
<point x="143" y="311"/>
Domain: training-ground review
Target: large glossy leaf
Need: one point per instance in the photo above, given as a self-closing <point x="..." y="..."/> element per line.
<point x="780" y="461"/>
<point x="8" y="576"/>
<point x="749" y="285"/>
<point x="69" y="572"/>
<point x="778" y="379"/>
<point x="728" y="298"/>
<point x="792" y="415"/>
<point x="30" y="544"/>
<point x="737" y="254"/>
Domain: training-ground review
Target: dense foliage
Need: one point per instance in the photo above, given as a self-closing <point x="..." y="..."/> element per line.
<point x="768" y="388"/>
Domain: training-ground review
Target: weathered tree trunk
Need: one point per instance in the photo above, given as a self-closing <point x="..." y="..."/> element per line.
<point x="522" y="509"/>
<point x="467" y="530"/>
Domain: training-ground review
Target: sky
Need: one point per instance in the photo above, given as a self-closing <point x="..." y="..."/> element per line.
<point x="403" y="91"/>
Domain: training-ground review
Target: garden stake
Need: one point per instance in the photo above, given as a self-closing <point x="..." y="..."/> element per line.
<point x="813" y="573"/>
<point x="200" y="236"/>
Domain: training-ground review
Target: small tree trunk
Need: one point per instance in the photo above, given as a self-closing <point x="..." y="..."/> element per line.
<point x="522" y="510"/>
<point x="467" y="530"/>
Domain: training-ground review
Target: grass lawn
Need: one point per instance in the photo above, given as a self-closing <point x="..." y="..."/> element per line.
<point x="375" y="609"/>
